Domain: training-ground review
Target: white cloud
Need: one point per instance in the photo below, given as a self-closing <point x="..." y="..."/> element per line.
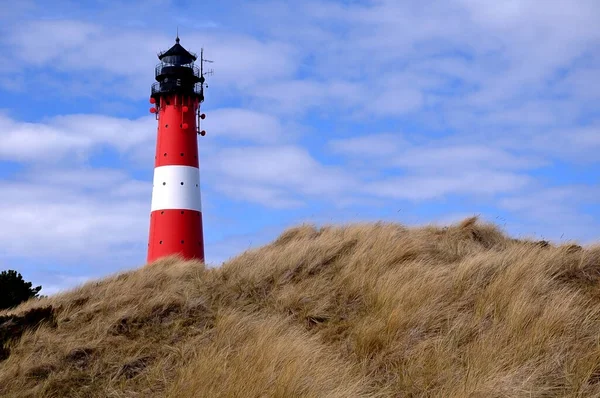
<point x="577" y="81"/>
<point x="243" y="125"/>
<point x="125" y="56"/>
<point x="72" y="215"/>
<point x="396" y="102"/>
<point x="296" y="97"/>
<point x="440" y="156"/>
<point x="452" y="158"/>
<point x="115" y="183"/>
<point x="469" y="182"/>
<point x="575" y="144"/>
<point x="266" y="164"/>
<point x="373" y="145"/>
<point x="548" y="202"/>
<point x="379" y="59"/>
<point x="243" y="61"/>
<point x="272" y="197"/>
<point x="61" y="136"/>
<point x="77" y="137"/>
<point x="275" y="175"/>
<point x="63" y="41"/>
<point x="497" y="56"/>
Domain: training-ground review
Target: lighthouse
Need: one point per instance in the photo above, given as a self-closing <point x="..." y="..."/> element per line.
<point x="176" y="207"/>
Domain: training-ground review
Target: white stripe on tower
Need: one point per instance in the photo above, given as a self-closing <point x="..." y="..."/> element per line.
<point x="176" y="187"/>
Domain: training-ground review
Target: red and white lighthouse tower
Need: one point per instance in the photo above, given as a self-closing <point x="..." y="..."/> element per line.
<point x="176" y="210"/>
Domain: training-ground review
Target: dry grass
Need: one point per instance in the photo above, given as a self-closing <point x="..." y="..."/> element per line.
<point x="375" y="310"/>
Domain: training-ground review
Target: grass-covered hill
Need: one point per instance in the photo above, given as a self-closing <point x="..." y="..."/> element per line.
<point x="368" y="310"/>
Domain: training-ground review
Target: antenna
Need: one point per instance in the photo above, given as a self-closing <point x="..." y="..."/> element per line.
<point x="202" y="61"/>
<point x="202" y="85"/>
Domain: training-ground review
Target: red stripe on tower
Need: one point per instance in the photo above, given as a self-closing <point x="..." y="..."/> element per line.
<point x="176" y="209"/>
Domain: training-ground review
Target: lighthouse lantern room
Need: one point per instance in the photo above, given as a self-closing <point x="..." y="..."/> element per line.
<point x="176" y="208"/>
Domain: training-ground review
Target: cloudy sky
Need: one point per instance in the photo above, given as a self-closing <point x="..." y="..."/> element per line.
<point x="318" y="111"/>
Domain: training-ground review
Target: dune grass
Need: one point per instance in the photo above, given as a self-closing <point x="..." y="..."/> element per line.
<point x="365" y="310"/>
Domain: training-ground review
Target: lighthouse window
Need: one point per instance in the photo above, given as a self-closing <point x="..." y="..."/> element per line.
<point x="164" y="183"/>
<point x="181" y="182"/>
<point x="160" y="242"/>
<point x="166" y="125"/>
<point x="181" y="153"/>
<point x="165" y="154"/>
<point x="182" y="212"/>
<point x="181" y="242"/>
<point x="162" y="212"/>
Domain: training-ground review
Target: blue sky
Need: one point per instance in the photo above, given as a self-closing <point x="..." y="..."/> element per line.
<point x="318" y="111"/>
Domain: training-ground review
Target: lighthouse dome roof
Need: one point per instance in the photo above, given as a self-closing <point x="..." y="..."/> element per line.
<point x="177" y="55"/>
